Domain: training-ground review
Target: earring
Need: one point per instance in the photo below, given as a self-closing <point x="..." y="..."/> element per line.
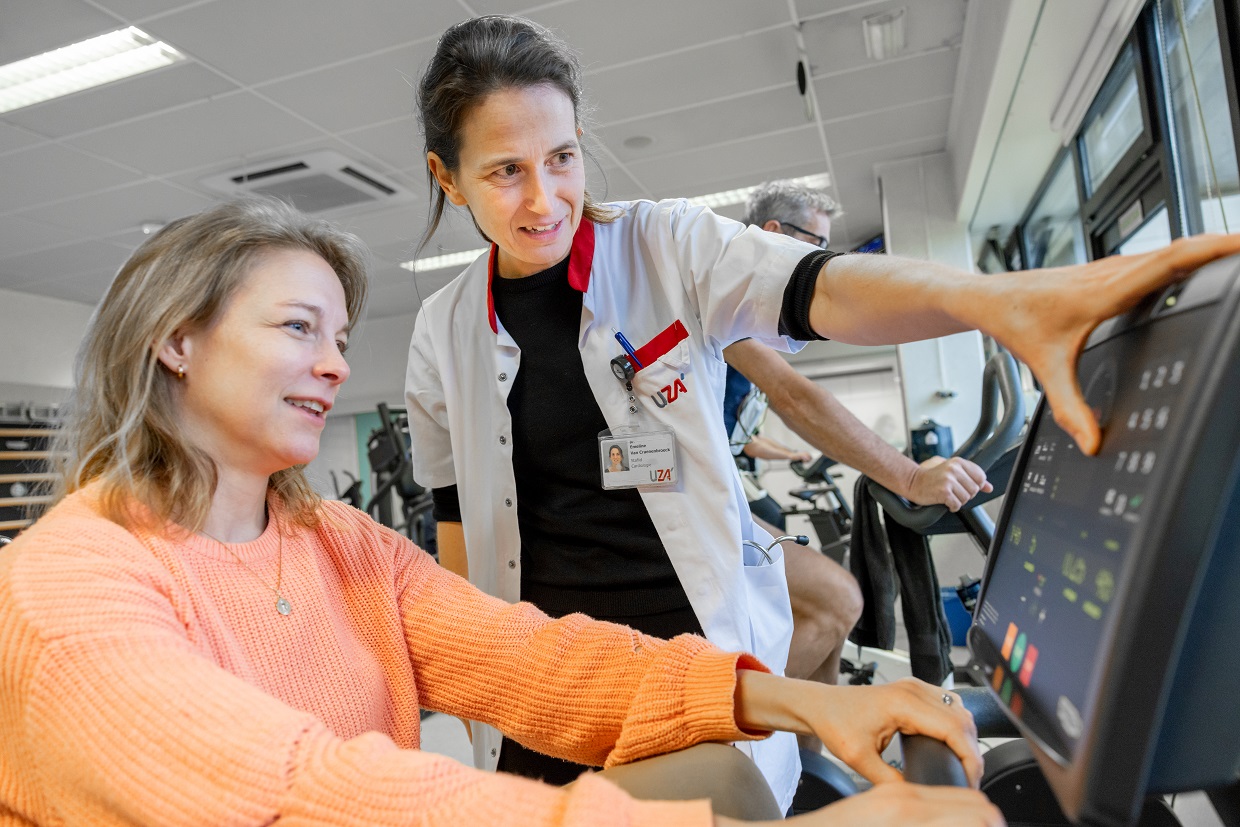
<point x="180" y="372"/>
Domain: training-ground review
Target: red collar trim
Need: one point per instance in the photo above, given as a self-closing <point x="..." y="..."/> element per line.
<point x="580" y="264"/>
<point x="581" y="257"/>
<point x="492" y="266"/>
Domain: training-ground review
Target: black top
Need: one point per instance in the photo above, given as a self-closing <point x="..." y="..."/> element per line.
<point x="583" y="548"/>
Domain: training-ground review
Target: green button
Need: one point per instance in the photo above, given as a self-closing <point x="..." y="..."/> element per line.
<point x="1018" y="652"/>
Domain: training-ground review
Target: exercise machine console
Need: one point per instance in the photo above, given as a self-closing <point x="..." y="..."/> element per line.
<point x="1109" y="610"/>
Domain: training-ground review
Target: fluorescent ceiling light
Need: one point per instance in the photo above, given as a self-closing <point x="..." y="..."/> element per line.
<point x="421" y="265"/>
<point x="729" y="197"/>
<point x="713" y="201"/>
<point x="84" y="65"/>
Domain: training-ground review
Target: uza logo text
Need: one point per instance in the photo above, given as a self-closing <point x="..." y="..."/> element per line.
<point x="670" y="393"/>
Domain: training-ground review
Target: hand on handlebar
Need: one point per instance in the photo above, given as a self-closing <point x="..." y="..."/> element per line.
<point x="950" y="482"/>
<point x="858" y="722"/>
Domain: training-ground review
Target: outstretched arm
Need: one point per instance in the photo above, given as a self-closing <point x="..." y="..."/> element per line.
<point x="1043" y="317"/>
<point x="818" y="417"/>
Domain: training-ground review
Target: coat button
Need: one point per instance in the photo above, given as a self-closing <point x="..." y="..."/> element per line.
<point x="503" y="440"/>
<point x="503" y="377"/>
<point x="512" y="564"/>
<point x="508" y="502"/>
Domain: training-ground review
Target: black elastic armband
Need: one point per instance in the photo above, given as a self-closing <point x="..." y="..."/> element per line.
<point x="794" y="316"/>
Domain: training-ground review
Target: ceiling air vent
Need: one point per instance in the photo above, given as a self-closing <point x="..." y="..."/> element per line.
<point x="317" y="182"/>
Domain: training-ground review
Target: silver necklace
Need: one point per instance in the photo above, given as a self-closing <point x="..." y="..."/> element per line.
<point x="282" y="604"/>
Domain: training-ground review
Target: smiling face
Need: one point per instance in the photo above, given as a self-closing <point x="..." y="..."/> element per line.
<point x="521" y="174"/>
<point x="616" y="456"/>
<point x="260" y="378"/>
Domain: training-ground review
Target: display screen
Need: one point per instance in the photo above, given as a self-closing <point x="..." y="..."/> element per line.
<point x="1060" y="566"/>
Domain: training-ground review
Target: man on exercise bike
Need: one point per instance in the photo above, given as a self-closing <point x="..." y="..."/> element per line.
<point x="825" y="599"/>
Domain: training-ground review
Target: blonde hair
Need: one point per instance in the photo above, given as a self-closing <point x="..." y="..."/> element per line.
<point x="122" y="427"/>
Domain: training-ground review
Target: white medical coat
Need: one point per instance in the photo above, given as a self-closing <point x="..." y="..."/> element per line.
<point x="655" y="265"/>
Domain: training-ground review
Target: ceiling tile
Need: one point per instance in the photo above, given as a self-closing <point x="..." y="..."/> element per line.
<point x="890" y="83"/>
<point x="702" y="126"/>
<point x="136" y="10"/>
<point x="31" y="28"/>
<point x="874" y="129"/>
<point x="683" y="174"/>
<point x="399" y="225"/>
<point x="257" y="42"/>
<point x="808" y="9"/>
<point x="761" y="61"/>
<point x="397" y="143"/>
<point x="526" y="8"/>
<point x="211" y="132"/>
<point x="12" y="137"/>
<point x="606" y="32"/>
<point x="86" y="288"/>
<point x="49" y="172"/>
<point x="894" y="151"/>
<point x="142" y="95"/>
<point x="365" y="91"/>
<point x="121" y="209"/>
<point x="19" y="235"/>
<point x="60" y="263"/>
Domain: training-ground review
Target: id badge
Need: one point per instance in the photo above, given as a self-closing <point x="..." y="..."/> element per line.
<point x="631" y="456"/>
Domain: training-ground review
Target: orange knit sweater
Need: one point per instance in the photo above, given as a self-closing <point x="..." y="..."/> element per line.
<point x="149" y="680"/>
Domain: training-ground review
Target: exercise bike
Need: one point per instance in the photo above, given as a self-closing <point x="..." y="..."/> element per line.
<point x="392" y="470"/>
<point x="828" y="511"/>
<point x="993" y="445"/>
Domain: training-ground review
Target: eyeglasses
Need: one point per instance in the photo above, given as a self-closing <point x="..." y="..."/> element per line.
<point x="816" y="240"/>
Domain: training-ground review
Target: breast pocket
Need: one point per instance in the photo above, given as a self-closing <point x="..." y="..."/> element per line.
<point x="665" y="373"/>
<point x="668" y="378"/>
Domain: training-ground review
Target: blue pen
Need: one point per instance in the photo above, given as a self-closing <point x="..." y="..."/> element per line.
<point x="628" y="348"/>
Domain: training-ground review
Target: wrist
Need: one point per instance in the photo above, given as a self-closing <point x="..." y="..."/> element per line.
<point x="772" y="703"/>
<point x="910" y="474"/>
<point x="971" y="300"/>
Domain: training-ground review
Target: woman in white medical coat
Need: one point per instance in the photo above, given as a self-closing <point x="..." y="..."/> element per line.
<point x="588" y="324"/>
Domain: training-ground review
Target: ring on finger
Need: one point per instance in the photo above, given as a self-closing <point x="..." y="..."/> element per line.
<point x="947" y="699"/>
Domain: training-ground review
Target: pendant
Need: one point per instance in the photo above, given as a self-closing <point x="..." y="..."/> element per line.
<point x="283" y="606"/>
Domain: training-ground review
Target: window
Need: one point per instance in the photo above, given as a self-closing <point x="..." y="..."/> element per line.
<point x="1154" y="233"/>
<point x="1053" y="233"/>
<point x="1117" y="121"/>
<point x="1205" y="150"/>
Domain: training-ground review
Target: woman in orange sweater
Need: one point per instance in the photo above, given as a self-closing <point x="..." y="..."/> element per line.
<point x="191" y="636"/>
